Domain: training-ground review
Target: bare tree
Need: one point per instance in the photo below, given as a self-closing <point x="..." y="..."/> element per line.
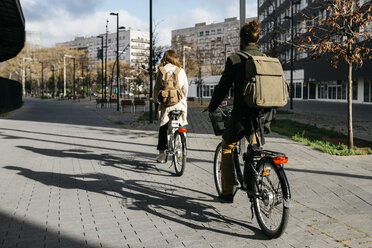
<point x="342" y="34"/>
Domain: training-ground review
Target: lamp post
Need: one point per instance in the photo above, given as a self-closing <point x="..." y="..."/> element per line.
<point x="29" y="69"/>
<point x="42" y="79"/>
<point x="73" y="87"/>
<point x="64" y="72"/>
<point x="225" y="51"/>
<point x="242" y="13"/>
<point x="293" y="2"/>
<point x="184" y="55"/>
<point x="107" y="21"/>
<point x="117" y="59"/>
<point x="102" y="62"/>
<point x="150" y="62"/>
<point x="24" y="75"/>
<point x="55" y="86"/>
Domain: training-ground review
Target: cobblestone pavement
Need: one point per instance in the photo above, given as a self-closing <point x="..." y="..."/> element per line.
<point x="71" y="177"/>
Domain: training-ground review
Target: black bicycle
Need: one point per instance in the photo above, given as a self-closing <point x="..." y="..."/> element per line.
<point x="176" y="138"/>
<point x="263" y="179"/>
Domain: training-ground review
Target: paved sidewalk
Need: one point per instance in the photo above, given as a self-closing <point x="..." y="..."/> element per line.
<point x="71" y="177"/>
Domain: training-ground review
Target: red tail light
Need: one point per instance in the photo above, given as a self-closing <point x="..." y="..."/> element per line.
<point x="182" y="130"/>
<point x="280" y="160"/>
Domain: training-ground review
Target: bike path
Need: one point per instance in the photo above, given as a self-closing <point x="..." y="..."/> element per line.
<point x="71" y="177"/>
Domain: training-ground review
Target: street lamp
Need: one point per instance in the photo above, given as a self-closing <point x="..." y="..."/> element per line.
<point x="242" y="13"/>
<point x="150" y="62"/>
<point x="29" y="69"/>
<point x="117" y="59"/>
<point x="102" y="63"/>
<point x="42" y="79"/>
<point x="293" y="2"/>
<point x="24" y="75"/>
<point x="73" y="88"/>
<point x="64" y="72"/>
<point x="184" y="56"/>
<point x="107" y="21"/>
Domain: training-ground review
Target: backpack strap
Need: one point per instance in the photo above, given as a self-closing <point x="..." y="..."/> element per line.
<point x="176" y="72"/>
<point x="244" y="54"/>
<point x="163" y="72"/>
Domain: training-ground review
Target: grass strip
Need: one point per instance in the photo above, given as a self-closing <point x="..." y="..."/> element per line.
<point x="145" y="116"/>
<point x="329" y="141"/>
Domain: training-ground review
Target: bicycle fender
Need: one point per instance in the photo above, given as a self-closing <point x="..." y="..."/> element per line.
<point x="285" y="184"/>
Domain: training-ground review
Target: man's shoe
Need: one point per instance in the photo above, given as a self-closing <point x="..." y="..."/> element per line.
<point x="162" y="158"/>
<point x="226" y="198"/>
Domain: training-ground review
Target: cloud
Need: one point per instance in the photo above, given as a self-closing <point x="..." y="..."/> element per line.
<point x="62" y="27"/>
<point x="45" y="9"/>
<point x="62" y="20"/>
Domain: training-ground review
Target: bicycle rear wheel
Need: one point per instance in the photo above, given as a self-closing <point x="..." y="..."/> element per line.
<point x="271" y="207"/>
<point x="179" y="155"/>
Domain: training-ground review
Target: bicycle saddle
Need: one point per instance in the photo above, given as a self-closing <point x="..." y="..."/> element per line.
<point x="175" y="112"/>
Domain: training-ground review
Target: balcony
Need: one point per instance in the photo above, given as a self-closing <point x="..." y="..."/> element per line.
<point x="141" y="41"/>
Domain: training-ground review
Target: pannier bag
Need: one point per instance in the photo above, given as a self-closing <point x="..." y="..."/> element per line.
<point x="268" y="88"/>
<point x="170" y="92"/>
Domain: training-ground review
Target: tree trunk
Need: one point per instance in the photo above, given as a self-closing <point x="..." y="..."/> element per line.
<point x="350" y="108"/>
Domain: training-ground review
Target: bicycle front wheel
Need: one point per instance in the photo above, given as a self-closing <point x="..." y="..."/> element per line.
<point x="179" y="155"/>
<point x="271" y="207"/>
<point x="217" y="172"/>
<point x="217" y="168"/>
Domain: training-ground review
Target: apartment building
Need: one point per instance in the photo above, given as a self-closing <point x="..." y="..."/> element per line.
<point x="313" y="79"/>
<point x="134" y="46"/>
<point x="209" y="44"/>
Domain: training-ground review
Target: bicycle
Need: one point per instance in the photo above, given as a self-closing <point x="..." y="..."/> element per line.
<point x="176" y="140"/>
<point x="263" y="180"/>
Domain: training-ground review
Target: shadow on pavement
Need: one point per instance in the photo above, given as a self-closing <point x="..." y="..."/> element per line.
<point x="169" y="202"/>
<point x="330" y="173"/>
<point x="128" y="164"/>
<point x="111" y="149"/>
<point x="15" y="232"/>
<point x="85" y="138"/>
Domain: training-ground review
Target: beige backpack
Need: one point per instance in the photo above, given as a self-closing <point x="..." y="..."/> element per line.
<point x="170" y="92"/>
<point x="268" y="88"/>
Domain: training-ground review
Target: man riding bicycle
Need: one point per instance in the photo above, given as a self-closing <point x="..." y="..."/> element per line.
<point x="239" y="125"/>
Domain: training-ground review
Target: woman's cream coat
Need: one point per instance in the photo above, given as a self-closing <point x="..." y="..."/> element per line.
<point x="182" y="105"/>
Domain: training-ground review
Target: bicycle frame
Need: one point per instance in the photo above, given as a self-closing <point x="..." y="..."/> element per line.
<point x="251" y="157"/>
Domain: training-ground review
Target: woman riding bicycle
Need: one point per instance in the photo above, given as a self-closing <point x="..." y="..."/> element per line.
<point x="239" y="125"/>
<point x="169" y="67"/>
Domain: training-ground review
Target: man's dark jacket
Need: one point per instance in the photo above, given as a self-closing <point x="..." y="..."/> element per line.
<point x="239" y="125"/>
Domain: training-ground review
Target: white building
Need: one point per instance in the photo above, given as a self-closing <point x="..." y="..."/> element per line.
<point x="213" y="42"/>
<point x="33" y="38"/>
<point x="134" y="46"/>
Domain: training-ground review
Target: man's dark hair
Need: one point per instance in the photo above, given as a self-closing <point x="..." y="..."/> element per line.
<point x="250" y="32"/>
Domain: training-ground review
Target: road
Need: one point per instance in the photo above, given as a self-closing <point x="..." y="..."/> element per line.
<point x="73" y="175"/>
<point x="333" y="116"/>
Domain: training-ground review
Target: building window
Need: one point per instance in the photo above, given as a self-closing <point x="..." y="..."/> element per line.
<point x="355" y="90"/>
<point x="322" y="91"/>
<point x="219" y="31"/>
<point x="201" y="33"/>
<point x="367" y="90"/>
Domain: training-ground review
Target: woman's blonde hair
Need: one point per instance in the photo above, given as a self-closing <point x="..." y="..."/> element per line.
<point x="170" y="56"/>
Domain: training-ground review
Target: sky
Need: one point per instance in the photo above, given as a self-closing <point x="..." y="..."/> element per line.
<point x="62" y="20"/>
